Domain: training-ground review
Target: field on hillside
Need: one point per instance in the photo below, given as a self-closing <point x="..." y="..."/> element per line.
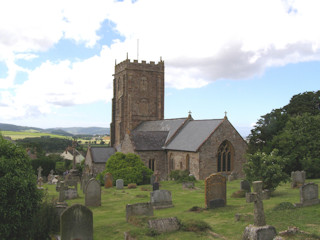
<point x="109" y="220"/>
<point x="29" y="134"/>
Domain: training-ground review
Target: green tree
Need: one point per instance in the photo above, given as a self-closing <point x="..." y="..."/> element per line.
<point x="266" y="168"/>
<point x="299" y="142"/>
<point x="128" y="167"/>
<point x="19" y="196"/>
<point x="272" y="124"/>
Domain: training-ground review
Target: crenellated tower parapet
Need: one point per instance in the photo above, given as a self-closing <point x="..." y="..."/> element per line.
<point x="138" y="95"/>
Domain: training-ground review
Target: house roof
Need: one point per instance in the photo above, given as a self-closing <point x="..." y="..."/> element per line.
<point x="149" y="140"/>
<point x="193" y="135"/>
<point x="101" y="154"/>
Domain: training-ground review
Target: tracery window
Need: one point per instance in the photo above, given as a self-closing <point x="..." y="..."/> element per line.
<point x="225" y="157"/>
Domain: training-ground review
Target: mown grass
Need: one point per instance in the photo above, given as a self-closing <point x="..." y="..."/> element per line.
<point x="110" y="220"/>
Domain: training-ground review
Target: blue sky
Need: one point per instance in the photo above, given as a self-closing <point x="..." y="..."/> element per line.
<point x="243" y="57"/>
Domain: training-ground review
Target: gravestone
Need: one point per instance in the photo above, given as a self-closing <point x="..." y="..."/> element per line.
<point x="61" y="192"/>
<point x="308" y="195"/>
<point x="76" y="222"/>
<point x="161" y="199"/>
<point x="85" y="179"/>
<point x="138" y="209"/>
<point x="108" y="180"/>
<point x="187" y="185"/>
<point x="119" y="183"/>
<point x="152" y="179"/>
<point x="297" y="178"/>
<point x="245" y="186"/>
<point x="164" y="224"/>
<point x="155" y="186"/>
<point x="50" y="177"/>
<point x="259" y="230"/>
<point x="93" y="193"/>
<point x="215" y="191"/>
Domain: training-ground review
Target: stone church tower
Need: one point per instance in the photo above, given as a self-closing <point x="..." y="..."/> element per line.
<point x="138" y="95"/>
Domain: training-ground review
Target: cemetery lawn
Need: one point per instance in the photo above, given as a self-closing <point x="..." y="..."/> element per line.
<point x="109" y="220"/>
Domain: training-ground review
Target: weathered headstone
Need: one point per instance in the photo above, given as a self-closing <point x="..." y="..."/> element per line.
<point x="85" y="179"/>
<point x="161" y="199"/>
<point x="259" y="230"/>
<point x="308" y="195"/>
<point x="215" y="191"/>
<point x="61" y="192"/>
<point x="232" y="176"/>
<point x="76" y="222"/>
<point x="245" y="186"/>
<point x="108" y="180"/>
<point x="297" y="178"/>
<point x="138" y="209"/>
<point x="152" y="179"/>
<point x="93" y="193"/>
<point x="119" y="183"/>
<point x="164" y="224"/>
<point x="187" y="185"/>
<point x="155" y="186"/>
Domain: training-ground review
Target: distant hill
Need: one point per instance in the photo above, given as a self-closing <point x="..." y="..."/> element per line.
<point x="59" y="131"/>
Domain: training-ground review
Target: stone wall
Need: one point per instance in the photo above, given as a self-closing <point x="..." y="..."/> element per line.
<point x="160" y="161"/>
<point x="209" y="150"/>
<point x="177" y="160"/>
<point x="138" y="95"/>
<point x="98" y="168"/>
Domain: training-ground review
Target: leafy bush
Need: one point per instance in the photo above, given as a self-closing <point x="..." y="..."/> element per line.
<point x="128" y="167"/>
<point x="284" y="206"/>
<point x="46" y="164"/>
<point x="46" y="221"/>
<point x="266" y="168"/>
<point x="181" y="176"/>
<point x="19" y="197"/>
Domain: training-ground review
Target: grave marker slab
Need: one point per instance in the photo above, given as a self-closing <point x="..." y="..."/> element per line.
<point x="297" y="178"/>
<point x="76" y="222"/>
<point x="215" y="188"/>
<point x="161" y="199"/>
<point x="108" y="180"/>
<point x="245" y="186"/>
<point x="164" y="224"/>
<point x="119" y="184"/>
<point x="138" y="209"/>
<point x="308" y="195"/>
<point x="93" y="193"/>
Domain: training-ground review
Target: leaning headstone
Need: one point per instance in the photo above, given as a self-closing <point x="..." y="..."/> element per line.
<point x="164" y="224"/>
<point x="138" y="209"/>
<point x="119" y="184"/>
<point x="108" y="180"/>
<point x="161" y="199"/>
<point x="297" y="178"/>
<point x="155" y="186"/>
<point x="259" y="230"/>
<point x="245" y="186"/>
<point x="308" y="195"/>
<point x="93" y="193"/>
<point x="76" y="222"/>
<point x="215" y="191"/>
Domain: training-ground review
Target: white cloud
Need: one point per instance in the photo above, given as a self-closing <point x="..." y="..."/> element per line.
<point x="200" y="41"/>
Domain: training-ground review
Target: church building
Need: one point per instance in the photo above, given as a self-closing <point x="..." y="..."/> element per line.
<point x="138" y="126"/>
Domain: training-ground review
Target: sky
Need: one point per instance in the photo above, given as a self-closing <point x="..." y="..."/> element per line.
<point x="244" y="57"/>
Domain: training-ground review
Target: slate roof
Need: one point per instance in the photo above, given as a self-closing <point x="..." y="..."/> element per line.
<point x="167" y="125"/>
<point x="149" y="140"/>
<point x="101" y="154"/>
<point x="193" y="134"/>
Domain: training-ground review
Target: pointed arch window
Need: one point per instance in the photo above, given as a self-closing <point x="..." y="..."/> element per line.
<point x="151" y="164"/>
<point x="225" y="157"/>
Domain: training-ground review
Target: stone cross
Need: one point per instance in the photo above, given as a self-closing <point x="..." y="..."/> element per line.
<point x="39" y="171"/>
<point x="256" y="197"/>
